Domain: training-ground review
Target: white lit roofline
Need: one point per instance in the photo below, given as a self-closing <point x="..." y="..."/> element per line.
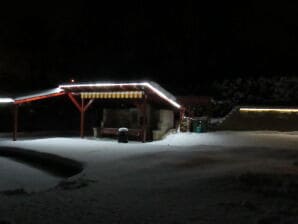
<point x="281" y="110"/>
<point x="6" y="100"/>
<point x="158" y="92"/>
<point x="99" y="85"/>
<point x="162" y="95"/>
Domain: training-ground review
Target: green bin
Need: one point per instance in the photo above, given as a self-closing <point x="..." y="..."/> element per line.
<point x="198" y="129"/>
<point x="196" y="126"/>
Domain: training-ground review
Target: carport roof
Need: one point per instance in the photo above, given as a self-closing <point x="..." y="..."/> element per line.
<point x="151" y="88"/>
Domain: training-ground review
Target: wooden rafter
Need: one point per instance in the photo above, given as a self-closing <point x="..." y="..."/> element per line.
<point x="144" y="114"/>
<point x="82" y="118"/>
<point x="88" y="104"/>
<point x="75" y="102"/>
<point x="15" y="122"/>
<point x="38" y="98"/>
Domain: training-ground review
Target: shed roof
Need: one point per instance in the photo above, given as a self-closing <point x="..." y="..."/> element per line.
<point x="151" y="88"/>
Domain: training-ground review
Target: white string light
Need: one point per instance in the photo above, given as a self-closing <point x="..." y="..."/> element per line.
<point x="6" y="100"/>
<point x="280" y="110"/>
<point x="146" y="84"/>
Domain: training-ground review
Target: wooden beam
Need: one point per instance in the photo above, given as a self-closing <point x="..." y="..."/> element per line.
<point x="144" y="114"/>
<point x="82" y="118"/>
<point x="82" y="108"/>
<point x="138" y="105"/>
<point x="182" y="114"/>
<point x="39" y="98"/>
<point x="88" y="104"/>
<point x="15" y="122"/>
<point x="75" y="102"/>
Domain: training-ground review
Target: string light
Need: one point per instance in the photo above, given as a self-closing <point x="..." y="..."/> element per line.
<point x="146" y="84"/>
<point x="279" y="110"/>
<point x="6" y="100"/>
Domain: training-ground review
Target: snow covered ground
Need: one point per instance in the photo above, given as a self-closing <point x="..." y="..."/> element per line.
<point x="183" y="179"/>
<point x="16" y="175"/>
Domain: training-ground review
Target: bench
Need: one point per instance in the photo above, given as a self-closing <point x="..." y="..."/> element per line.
<point x="134" y="133"/>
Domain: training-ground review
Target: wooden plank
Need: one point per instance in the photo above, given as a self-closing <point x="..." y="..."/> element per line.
<point x="15" y="122"/>
<point x="144" y="122"/>
<point x="82" y="118"/>
<point x="88" y="104"/>
<point x="38" y="98"/>
<point x="181" y="116"/>
<point x="75" y="102"/>
<point x="114" y="131"/>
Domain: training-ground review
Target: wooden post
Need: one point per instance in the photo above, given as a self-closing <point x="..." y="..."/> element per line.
<point x="82" y="108"/>
<point x="15" y="122"/>
<point x="75" y="102"/>
<point x="182" y="114"/>
<point x="144" y="114"/>
<point x="82" y="118"/>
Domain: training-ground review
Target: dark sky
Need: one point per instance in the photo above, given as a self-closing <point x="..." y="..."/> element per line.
<point x="171" y="43"/>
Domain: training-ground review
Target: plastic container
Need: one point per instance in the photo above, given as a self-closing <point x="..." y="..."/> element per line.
<point x="196" y="126"/>
<point x="95" y="132"/>
<point x="123" y="135"/>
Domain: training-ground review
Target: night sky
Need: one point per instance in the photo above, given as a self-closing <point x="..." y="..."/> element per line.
<point x="171" y="43"/>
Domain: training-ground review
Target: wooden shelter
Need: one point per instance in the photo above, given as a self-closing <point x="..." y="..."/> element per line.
<point x="139" y="94"/>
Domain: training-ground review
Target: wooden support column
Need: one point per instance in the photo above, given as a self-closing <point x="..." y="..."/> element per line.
<point x="82" y="108"/>
<point x="82" y="118"/>
<point x="182" y="114"/>
<point x="88" y="104"/>
<point x="74" y="101"/>
<point x="15" y="122"/>
<point x="144" y="123"/>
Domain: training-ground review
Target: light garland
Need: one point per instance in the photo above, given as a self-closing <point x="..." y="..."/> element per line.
<point x="279" y="110"/>
<point x="6" y="100"/>
<point x="158" y="92"/>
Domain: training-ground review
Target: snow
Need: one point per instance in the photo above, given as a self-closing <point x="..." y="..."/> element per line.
<point x="83" y="150"/>
<point x="216" y="120"/>
<point x="155" y="181"/>
<point x="162" y="90"/>
<point x="60" y="89"/>
<point x="156" y="88"/>
<point x="90" y="149"/>
<point x="93" y="152"/>
<point x="151" y="84"/>
<point x="40" y="93"/>
<point x="122" y="129"/>
<point x="270" y="139"/>
<point x="15" y="175"/>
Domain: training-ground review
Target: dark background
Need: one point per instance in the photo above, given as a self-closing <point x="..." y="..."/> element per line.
<point x="185" y="46"/>
<point x="240" y="53"/>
